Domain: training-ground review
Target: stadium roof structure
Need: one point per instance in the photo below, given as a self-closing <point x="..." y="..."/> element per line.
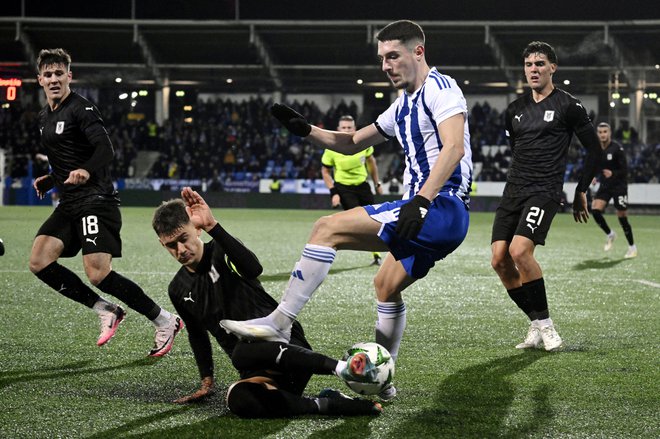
<point x="314" y="56"/>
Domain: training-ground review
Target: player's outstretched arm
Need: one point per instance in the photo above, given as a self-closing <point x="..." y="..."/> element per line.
<point x="345" y="143"/>
<point x="206" y="389"/>
<point x="244" y="261"/>
<point x="199" y="212"/>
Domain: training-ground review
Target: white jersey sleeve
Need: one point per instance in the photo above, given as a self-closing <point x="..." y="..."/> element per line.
<point x="443" y="97"/>
<point x="386" y="122"/>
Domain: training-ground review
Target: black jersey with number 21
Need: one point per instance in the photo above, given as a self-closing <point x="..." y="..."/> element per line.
<point x="540" y="134"/>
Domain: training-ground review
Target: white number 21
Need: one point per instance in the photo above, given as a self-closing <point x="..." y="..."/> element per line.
<point x="535" y="215"/>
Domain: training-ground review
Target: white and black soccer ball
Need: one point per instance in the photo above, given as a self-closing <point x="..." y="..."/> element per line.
<point x="383" y="361"/>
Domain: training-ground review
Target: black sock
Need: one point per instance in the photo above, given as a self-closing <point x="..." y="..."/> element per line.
<point x="521" y="297"/>
<point x="255" y="400"/>
<point x="67" y="283"/>
<point x="600" y="220"/>
<point x="627" y="230"/>
<point x="281" y="356"/>
<point x="538" y="299"/>
<point x="130" y="293"/>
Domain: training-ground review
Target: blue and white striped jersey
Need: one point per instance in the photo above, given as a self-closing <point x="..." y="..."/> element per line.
<point x="414" y="118"/>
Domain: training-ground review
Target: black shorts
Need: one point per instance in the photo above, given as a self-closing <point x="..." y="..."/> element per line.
<point x="354" y="196"/>
<point x="618" y="195"/>
<point x="95" y="228"/>
<point x="525" y="216"/>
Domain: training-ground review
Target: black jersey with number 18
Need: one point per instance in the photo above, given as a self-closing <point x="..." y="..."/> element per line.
<point x="68" y="136"/>
<point x="540" y="134"/>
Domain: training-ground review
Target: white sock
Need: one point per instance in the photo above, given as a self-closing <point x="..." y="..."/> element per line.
<point x="341" y="365"/>
<point x="103" y="305"/>
<point x="544" y="322"/>
<point x="390" y="325"/>
<point x="307" y="275"/>
<point x="163" y="318"/>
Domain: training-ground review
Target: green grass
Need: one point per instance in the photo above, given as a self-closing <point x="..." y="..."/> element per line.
<point x="458" y="374"/>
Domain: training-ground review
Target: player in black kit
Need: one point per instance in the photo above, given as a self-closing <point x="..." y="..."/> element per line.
<point x="87" y="217"/>
<point x="614" y="185"/>
<point x="540" y="126"/>
<point x="218" y="280"/>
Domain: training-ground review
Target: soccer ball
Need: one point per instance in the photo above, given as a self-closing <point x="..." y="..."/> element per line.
<point x="384" y="363"/>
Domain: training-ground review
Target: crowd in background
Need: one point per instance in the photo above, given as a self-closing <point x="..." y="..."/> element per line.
<point x="220" y="140"/>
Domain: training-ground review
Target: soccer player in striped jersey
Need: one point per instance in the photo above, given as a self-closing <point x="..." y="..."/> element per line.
<point x="430" y="121"/>
<point x="540" y="126"/>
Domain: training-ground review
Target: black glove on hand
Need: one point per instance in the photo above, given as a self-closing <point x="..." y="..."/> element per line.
<point x="291" y="119"/>
<point x="411" y="217"/>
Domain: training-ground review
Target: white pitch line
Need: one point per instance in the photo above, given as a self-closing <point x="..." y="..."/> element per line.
<point x="648" y="282"/>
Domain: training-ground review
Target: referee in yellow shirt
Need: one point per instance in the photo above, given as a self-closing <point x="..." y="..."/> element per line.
<point x="349" y="186"/>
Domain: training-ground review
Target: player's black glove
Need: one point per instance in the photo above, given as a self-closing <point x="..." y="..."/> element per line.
<point x="291" y="119"/>
<point x="411" y="217"/>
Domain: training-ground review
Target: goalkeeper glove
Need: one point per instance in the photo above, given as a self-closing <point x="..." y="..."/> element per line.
<point x="291" y="119"/>
<point x="411" y="217"/>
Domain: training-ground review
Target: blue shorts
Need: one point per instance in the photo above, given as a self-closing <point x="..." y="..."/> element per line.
<point x="444" y="229"/>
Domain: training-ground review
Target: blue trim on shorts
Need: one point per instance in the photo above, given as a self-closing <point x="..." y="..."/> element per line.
<point x="444" y="229"/>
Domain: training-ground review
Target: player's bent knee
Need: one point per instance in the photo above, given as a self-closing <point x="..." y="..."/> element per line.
<point x="500" y="262"/>
<point x="36" y="265"/>
<point x="245" y="400"/>
<point x="323" y="230"/>
<point x="96" y="276"/>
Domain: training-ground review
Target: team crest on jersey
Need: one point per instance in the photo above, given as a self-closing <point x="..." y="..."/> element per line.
<point x="213" y="273"/>
<point x="59" y="128"/>
<point x="609" y="156"/>
<point x="549" y="116"/>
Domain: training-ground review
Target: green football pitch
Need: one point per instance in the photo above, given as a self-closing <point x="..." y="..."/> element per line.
<point x="458" y="373"/>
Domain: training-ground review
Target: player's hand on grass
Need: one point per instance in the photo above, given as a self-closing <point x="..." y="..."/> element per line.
<point x="199" y="212"/>
<point x="291" y="119"/>
<point x="580" y="211"/>
<point x="412" y="216"/>
<point x="207" y="389"/>
<point x="43" y="184"/>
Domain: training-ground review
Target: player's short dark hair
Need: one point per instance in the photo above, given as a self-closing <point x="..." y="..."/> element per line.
<point x="170" y="217"/>
<point x="541" y="47"/>
<point x="604" y="125"/>
<point x="346" y="118"/>
<point x="49" y="57"/>
<point x="403" y="30"/>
